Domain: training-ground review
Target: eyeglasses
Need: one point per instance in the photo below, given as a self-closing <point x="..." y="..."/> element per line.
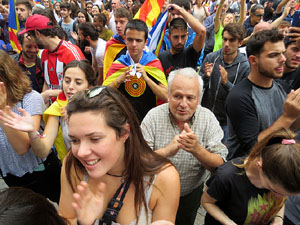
<point x="94" y="91"/>
<point x="258" y="15"/>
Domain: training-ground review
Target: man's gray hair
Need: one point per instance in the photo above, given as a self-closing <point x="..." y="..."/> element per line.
<point x="186" y="72"/>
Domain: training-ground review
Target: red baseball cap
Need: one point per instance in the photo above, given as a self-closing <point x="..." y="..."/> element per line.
<point x="37" y="22"/>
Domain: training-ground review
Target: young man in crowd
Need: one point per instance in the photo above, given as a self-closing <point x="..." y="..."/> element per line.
<point x="138" y="74"/>
<point x="116" y="46"/>
<point x="56" y="54"/>
<point x="221" y="70"/>
<point x="262" y="103"/>
<point x="179" y="56"/>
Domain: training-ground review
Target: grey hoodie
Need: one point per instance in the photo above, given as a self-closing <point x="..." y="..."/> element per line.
<point x="215" y="93"/>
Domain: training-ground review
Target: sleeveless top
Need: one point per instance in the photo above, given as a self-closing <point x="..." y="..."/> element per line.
<point x="143" y="220"/>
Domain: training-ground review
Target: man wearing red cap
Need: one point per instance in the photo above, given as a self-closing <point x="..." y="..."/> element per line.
<point x="57" y="53"/>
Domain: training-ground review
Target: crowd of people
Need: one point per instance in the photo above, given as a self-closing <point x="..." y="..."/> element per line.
<point x="114" y="134"/>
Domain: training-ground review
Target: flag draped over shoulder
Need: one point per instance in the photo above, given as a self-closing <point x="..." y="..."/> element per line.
<point x="157" y="33"/>
<point x="56" y="110"/>
<point x="13" y="26"/>
<point x="113" y="47"/>
<point x="151" y="64"/>
<point x="149" y="11"/>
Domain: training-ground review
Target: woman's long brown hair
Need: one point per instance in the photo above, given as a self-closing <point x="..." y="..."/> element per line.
<point x="139" y="158"/>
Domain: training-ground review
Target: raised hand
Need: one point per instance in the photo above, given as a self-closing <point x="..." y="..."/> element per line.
<point x="13" y="120"/>
<point x="208" y="69"/>
<point x="223" y="74"/>
<point x="87" y="205"/>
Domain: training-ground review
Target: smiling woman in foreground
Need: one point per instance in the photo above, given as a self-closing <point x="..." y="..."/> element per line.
<point x="116" y="176"/>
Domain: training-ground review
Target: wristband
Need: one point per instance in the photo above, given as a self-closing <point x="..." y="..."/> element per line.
<point x="37" y="135"/>
<point x="279" y="216"/>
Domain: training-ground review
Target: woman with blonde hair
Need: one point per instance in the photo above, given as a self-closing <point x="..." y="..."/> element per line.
<point x="111" y="172"/>
<point x="253" y="190"/>
<point x="19" y="166"/>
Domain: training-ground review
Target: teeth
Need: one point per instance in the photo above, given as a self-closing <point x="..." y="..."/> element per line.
<point x="92" y="162"/>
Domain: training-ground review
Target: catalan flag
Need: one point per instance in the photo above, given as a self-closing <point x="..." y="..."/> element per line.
<point x="149" y="11"/>
<point x="151" y="64"/>
<point x="157" y="33"/>
<point x="56" y="110"/>
<point x="13" y="26"/>
<point x="112" y="49"/>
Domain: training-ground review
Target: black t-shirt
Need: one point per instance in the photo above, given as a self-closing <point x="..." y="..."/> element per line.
<point x="187" y="58"/>
<point x="292" y="79"/>
<point x="237" y="197"/>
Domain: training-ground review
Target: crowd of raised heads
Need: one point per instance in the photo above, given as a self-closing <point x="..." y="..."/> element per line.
<point x="104" y="120"/>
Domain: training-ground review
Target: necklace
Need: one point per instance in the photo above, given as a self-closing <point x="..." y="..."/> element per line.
<point x="113" y="175"/>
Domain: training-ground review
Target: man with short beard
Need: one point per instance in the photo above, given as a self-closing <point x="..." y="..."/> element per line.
<point x="260" y="104"/>
<point x="29" y="62"/>
<point x="179" y="56"/>
<point x="223" y="69"/>
<point x="291" y="73"/>
<point x="23" y="10"/>
<point x="56" y="54"/>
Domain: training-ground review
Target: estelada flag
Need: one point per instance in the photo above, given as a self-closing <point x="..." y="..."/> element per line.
<point x="112" y="48"/>
<point x="13" y="26"/>
<point x="157" y="33"/>
<point x="149" y="11"/>
<point x="151" y="64"/>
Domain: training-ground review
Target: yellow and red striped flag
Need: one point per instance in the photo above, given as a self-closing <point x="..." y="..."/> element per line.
<point x="149" y="11"/>
<point x="13" y="26"/>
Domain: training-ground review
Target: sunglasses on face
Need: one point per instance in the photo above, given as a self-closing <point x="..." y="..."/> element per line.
<point x="258" y="15"/>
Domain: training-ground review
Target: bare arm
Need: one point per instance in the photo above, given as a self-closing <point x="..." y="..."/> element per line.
<point x="242" y="12"/>
<point x="166" y="191"/>
<point x="19" y="140"/>
<point x="280" y="6"/>
<point x="278" y="219"/>
<point x="210" y="206"/>
<point x="66" y="197"/>
<point x="218" y="16"/>
<point x="286" y="11"/>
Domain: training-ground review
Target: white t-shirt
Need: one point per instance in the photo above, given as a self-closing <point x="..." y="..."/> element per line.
<point x="98" y="52"/>
<point x="112" y="24"/>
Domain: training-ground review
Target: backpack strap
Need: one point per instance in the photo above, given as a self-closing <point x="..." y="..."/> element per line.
<point x="115" y="205"/>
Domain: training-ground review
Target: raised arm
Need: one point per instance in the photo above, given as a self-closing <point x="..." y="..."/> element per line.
<point x="242" y="12"/>
<point x="40" y="144"/>
<point x="286" y="11"/>
<point x="291" y="112"/>
<point x="199" y="29"/>
<point x="280" y="6"/>
<point x="218" y="16"/>
<point x="19" y="140"/>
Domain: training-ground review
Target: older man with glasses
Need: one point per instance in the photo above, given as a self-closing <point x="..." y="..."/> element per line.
<point x="256" y="15"/>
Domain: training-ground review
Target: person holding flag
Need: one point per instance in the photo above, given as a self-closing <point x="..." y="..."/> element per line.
<point x="138" y="74"/>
